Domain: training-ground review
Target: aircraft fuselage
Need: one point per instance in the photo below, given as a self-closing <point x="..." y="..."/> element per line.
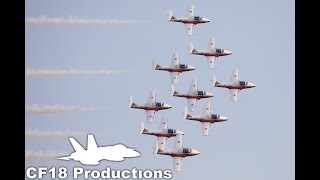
<point x="156" y="107"/>
<point x="197" y="95"/>
<point x="207" y="119"/>
<point x="212" y="53"/>
<point x="236" y="85"/>
<point x="170" y="69"/>
<point x="160" y="133"/>
<point x="190" y="20"/>
<point x="179" y="153"/>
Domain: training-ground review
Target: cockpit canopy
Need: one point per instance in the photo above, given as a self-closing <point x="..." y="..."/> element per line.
<point x="243" y="83"/>
<point x="187" y="150"/>
<point x="197" y="18"/>
<point x="159" y="104"/>
<point x="201" y="93"/>
<point x="172" y="131"/>
<point x="215" y="116"/>
<point x="183" y="66"/>
<point x="219" y="50"/>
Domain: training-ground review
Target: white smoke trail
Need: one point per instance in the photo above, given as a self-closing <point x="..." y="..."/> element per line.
<point x="72" y="72"/>
<point x="37" y="109"/>
<point x="75" y="21"/>
<point x="35" y="133"/>
<point x="30" y="155"/>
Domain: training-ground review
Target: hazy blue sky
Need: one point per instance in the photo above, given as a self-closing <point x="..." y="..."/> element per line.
<point x="258" y="140"/>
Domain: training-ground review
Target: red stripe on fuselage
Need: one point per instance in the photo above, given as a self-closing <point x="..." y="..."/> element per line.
<point x="211" y="120"/>
<point x="160" y="135"/>
<point x="154" y="109"/>
<point x="196" y="97"/>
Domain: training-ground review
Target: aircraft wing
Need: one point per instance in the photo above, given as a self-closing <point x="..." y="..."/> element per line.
<point x="212" y="44"/>
<point x="205" y="128"/>
<point x="174" y="77"/>
<point x="164" y="123"/>
<point x="234" y="93"/>
<point x="175" y="59"/>
<point x="192" y="104"/>
<point x="190" y="12"/>
<point x="150" y="115"/>
<point x="161" y="142"/>
<point x="189" y="29"/>
<point x="235" y="75"/>
<point x="151" y="98"/>
<point x="178" y="142"/>
<point x="210" y="60"/>
<point x="207" y="109"/>
<point x="177" y="163"/>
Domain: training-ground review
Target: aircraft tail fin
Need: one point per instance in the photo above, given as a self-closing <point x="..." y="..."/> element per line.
<point x="214" y="81"/>
<point x="191" y="49"/>
<point x="142" y="129"/>
<point x="91" y="142"/>
<point x="172" y="90"/>
<point x="170" y="16"/>
<point x="185" y="113"/>
<point x="155" y="148"/>
<point x="131" y="103"/>
<point x="76" y="146"/>
<point x="155" y="66"/>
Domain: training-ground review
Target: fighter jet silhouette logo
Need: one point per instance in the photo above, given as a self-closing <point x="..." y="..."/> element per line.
<point x="94" y="154"/>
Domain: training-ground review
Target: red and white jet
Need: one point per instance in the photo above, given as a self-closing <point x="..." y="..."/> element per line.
<point x="163" y="133"/>
<point x="150" y="107"/>
<point x="234" y="86"/>
<point x="206" y="119"/>
<point x="175" y="68"/>
<point x="177" y="153"/>
<point x="192" y="95"/>
<point x="190" y="21"/>
<point x="211" y="53"/>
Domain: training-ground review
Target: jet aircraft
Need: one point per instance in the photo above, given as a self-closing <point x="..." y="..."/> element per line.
<point x="162" y="134"/>
<point x="212" y="53"/>
<point x="206" y="118"/>
<point x="234" y="86"/>
<point x="175" y="68"/>
<point x="190" y="20"/>
<point x="177" y="153"/>
<point x="192" y="95"/>
<point x="150" y="107"/>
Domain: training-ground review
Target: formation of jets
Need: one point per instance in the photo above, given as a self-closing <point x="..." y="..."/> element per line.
<point x="193" y="95"/>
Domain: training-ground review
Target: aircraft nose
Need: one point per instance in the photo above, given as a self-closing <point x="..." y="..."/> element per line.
<point x="253" y="85"/>
<point x="223" y="118"/>
<point x="228" y="52"/>
<point x="195" y="152"/>
<point x="210" y="94"/>
<point x="168" y="106"/>
<point x="180" y="132"/>
<point x="208" y="20"/>
<point x="192" y="67"/>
